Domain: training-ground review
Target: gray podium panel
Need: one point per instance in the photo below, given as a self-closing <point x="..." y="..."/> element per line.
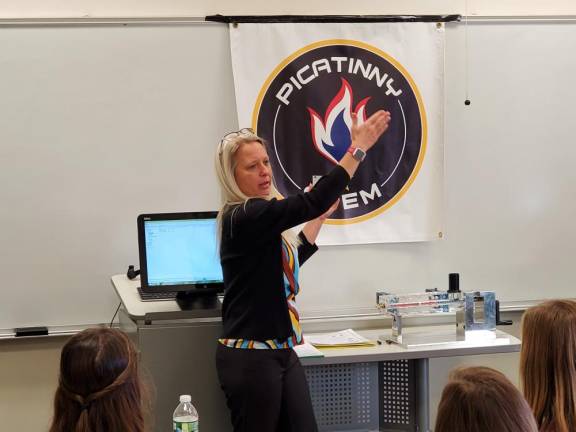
<point x="369" y="396"/>
<point x="344" y="396"/>
<point x="180" y="359"/>
<point x="398" y="395"/>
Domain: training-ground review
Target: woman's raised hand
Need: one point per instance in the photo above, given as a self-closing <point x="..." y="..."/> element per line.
<point x="365" y="135"/>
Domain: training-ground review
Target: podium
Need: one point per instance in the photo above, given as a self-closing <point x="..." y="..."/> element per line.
<point x="177" y="354"/>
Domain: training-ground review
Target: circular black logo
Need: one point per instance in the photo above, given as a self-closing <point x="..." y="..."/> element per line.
<point x="304" y="112"/>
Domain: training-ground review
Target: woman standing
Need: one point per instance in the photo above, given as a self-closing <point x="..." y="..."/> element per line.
<point x="260" y="374"/>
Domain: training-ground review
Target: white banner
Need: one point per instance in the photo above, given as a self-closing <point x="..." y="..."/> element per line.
<point x="297" y="85"/>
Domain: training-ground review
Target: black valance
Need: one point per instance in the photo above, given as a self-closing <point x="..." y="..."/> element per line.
<point x="330" y="18"/>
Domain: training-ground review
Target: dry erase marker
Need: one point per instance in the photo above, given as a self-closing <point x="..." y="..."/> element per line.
<point x="31" y="331"/>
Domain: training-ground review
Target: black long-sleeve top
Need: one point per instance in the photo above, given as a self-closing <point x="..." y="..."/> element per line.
<point x="254" y="304"/>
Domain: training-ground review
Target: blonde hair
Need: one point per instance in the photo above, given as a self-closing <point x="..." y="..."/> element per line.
<point x="225" y="165"/>
<point x="481" y="399"/>
<point x="548" y="363"/>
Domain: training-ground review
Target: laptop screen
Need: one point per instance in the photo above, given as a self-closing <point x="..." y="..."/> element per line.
<point x="178" y="251"/>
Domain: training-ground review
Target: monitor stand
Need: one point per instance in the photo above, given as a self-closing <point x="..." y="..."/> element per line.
<point x="193" y="300"/>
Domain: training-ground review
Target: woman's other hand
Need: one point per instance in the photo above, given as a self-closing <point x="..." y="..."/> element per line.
<point x="328" y="212"/>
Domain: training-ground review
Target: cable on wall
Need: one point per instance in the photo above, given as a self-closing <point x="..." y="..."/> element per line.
<point x="467" y="101"/>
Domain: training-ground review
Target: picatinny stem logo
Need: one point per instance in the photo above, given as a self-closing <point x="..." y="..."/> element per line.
<point x="305" y="109"/>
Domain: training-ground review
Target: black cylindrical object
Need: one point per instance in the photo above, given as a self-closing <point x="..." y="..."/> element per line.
<point x="454" y="282"/>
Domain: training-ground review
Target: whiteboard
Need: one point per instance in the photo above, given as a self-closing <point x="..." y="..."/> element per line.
<point x="101" y="123"/>
<point x="97" y="125"/>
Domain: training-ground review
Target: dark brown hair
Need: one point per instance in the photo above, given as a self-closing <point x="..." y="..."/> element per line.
<point x="548" y="364"/>
<point x="481" y="399"/>
<point x="100" y="389"/>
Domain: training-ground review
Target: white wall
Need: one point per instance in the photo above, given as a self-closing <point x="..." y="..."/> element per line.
<point x="159" y="8"/>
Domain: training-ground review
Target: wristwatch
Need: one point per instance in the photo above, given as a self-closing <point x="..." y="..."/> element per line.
<point x="357" y="153"/>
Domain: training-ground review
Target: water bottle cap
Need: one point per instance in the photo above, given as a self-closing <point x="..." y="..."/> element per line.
<point x="185" y="398"/>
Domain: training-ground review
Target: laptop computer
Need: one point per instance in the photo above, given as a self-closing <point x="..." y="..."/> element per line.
<point x="179" y="254"/>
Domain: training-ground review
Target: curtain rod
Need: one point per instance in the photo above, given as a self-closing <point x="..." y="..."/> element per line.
<point x="237" y="19"/>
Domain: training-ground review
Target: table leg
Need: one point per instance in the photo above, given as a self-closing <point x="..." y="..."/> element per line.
<point x="422" y="395"/>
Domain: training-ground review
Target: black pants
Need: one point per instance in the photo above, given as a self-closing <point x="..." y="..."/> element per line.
<point x="266" y="390"/>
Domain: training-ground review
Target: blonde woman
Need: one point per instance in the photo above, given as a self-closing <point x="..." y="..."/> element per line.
<point x="481" y="399"/>
<point x="548" y="364"/>
<point x="260" y="374"/>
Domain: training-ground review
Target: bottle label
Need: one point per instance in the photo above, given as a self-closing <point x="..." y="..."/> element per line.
<point x="185" y="426"/>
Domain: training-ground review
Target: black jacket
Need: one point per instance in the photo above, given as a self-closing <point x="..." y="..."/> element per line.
<point x="254" y="304"/>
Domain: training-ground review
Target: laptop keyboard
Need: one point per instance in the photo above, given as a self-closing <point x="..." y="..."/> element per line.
<point x="157" y="296"/>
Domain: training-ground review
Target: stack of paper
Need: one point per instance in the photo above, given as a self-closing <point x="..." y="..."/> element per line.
<point x="307" y="350"/>
<point x="342" y="338"/>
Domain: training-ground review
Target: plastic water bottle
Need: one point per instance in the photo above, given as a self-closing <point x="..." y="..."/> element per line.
<point x="185" y="418"/>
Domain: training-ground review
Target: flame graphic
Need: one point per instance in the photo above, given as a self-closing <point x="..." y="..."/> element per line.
<point x="332" y="135"/>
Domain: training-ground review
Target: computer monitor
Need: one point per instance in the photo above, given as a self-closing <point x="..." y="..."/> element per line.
<point x="179" y="252"/>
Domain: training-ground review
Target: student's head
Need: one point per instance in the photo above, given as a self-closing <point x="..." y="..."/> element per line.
<point x="243" y="167"/>
<point x="481" y="399"/>
<point x="548" y="363"/>
<point x="99" y="387"/>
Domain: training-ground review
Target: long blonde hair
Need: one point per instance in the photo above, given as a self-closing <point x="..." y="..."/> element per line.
<point x="548" y="363"/>
<point x="481" y="399"/>
<point x="225" y="165"/>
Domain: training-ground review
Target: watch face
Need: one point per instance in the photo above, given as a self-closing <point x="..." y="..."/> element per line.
<point x="359" y="154"/>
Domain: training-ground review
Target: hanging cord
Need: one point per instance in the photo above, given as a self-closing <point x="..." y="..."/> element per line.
<point x="466" y="56"/>
<point x="115" y="313"/>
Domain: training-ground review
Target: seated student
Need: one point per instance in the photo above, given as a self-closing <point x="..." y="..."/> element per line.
<point x="481" y="399"/>
<point x="99" y="388"/>
<point x="548" y="364"/>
